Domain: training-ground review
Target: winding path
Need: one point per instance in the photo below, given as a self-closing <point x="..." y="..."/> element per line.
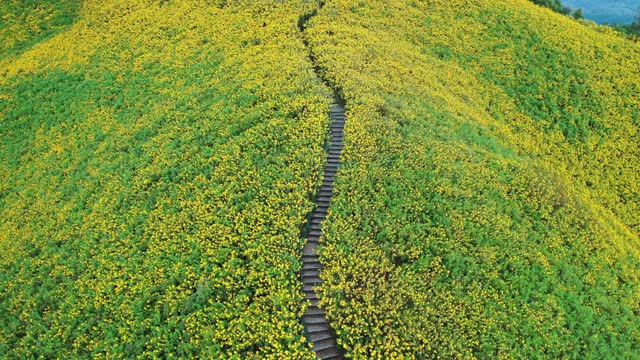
<point x="317" y="327"/>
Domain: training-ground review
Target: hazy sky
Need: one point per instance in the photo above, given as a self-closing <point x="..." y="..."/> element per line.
<point x="609" y="11"/>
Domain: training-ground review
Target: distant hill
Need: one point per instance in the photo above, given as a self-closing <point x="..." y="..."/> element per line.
<point x="607" y="11"/>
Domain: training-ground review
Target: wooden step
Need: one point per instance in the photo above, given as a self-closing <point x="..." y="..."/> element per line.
<point x="312" y="265"/>
<point x="324" y="344"/>
<point x="323" y="198"/>
<point x="311" y="280"/>
<point x="322" y="209"/>
<point x="310" y="258"/>
<point x="317" y="221"/>
<point x="310" y="248"/>
<point x="310" y="295"/>
<point x="329" y="354"/>
<point x="326" y="193"/>
<point x="314" y="311"/>
<point x="314" y="236"/>
<point x="315" y="232"/>
<point x="314" y="319"/>
<point x="316" y="227"/>
<point x="315" y="217"/>
<point x="313" y="301"/>
<point x="318" y="328"/>
<point x="326" y="203"/>
<point x="329" y="177"/>
<point x="311" y="272"/>
<point x="319" y="337"/>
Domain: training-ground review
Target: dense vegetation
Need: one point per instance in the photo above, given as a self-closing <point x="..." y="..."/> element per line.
<point x="25" y="22"/>
<point x="488" y="202"/>
<point x="157" y="160"/>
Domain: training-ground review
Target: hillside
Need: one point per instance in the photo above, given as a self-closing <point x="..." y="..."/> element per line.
<point x="159" y="159"/>
<point x="157" y="163"/>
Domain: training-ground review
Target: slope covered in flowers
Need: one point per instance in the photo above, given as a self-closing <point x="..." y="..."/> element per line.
<point x="488" y="201"/>
<point x="158" y="157"/>
<point x="157" y="160"/>
<point x="25" y="22"/>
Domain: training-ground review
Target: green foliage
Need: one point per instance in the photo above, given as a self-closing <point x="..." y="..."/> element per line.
<point x="555" y="5"/>
<point x="157" y="160"/>
<point x="26" y="22"/>
<point x="472" y="216"/>
<point x="578" y="14"/>
<point x="152" y="189"/>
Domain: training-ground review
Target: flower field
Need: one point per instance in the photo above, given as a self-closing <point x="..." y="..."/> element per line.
<point x="487" y="205"/>
<point x="158" y="159"/>
<point x="24" y="23"/>
<point x="157" y="162"/>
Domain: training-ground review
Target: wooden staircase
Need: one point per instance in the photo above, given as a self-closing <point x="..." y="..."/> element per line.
<point x="317" y="327"/>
